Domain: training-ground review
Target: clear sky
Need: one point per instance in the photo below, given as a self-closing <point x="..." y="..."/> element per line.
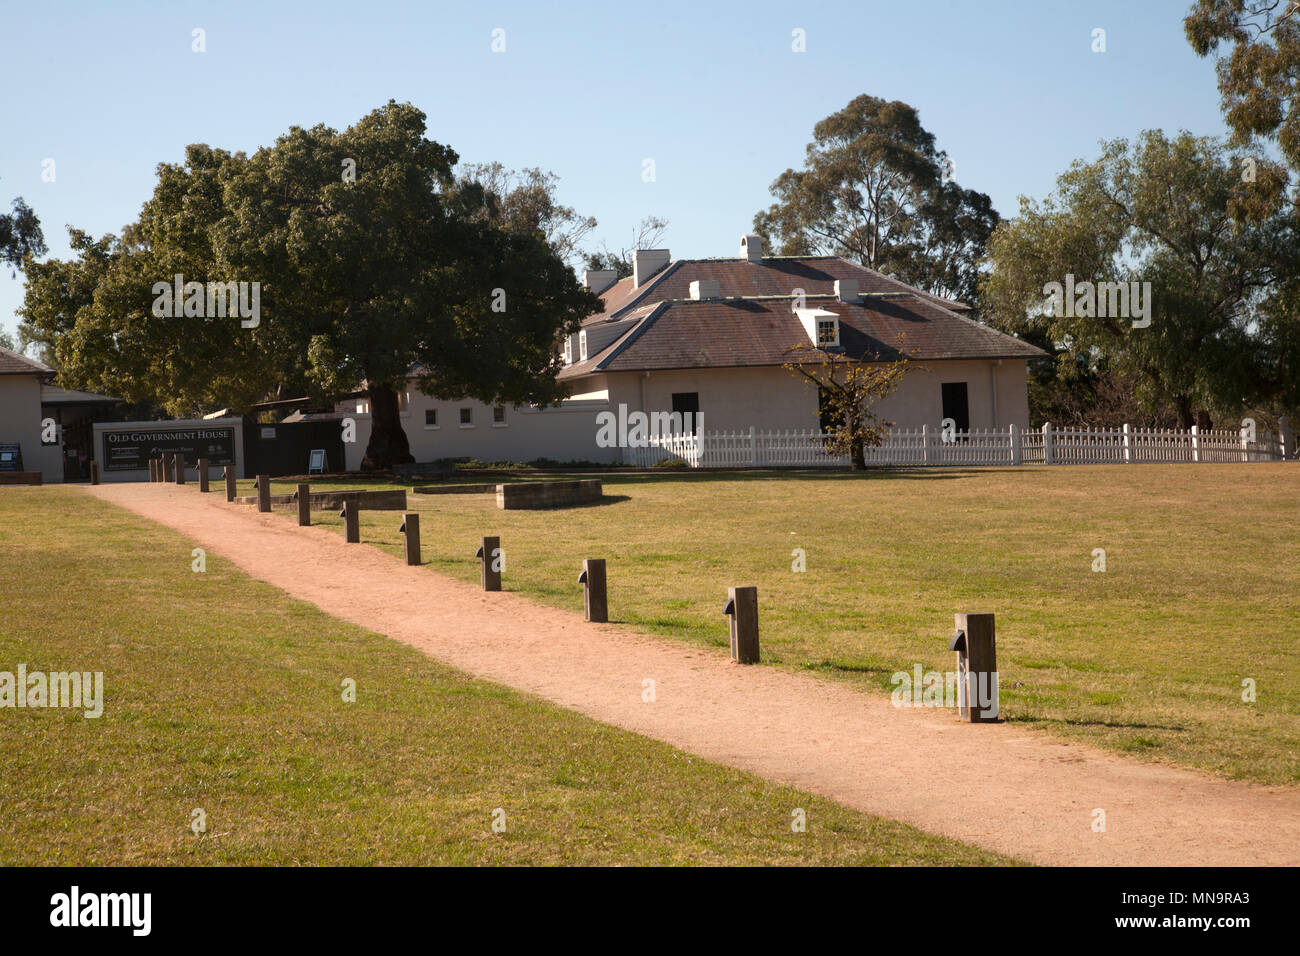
<point x="712" y="92"/>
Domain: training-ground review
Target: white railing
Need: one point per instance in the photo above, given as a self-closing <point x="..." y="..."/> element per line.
<point x="991" y="446"/>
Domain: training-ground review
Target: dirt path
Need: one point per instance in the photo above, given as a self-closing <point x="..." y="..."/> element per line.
<point x="1012" y="790"/>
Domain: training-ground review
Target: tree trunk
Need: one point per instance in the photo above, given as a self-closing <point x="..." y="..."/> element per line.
<point x="388" y="443"/>
<point x="1185" y="417"/>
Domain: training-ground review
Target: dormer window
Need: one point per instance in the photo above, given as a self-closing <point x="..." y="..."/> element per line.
<point x="582" y="345"/>
<point x="568" y="350"/>
<point x="822" y="327"/>
<point x="828" y="333"/>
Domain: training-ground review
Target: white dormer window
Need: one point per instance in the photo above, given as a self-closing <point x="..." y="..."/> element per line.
<point x="568" y="350"/>
<point x="823" y="327"/>
<point x="582" y="345"/>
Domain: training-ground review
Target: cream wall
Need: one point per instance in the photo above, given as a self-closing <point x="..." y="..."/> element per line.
<point x="730" y="400"/>
<point x="20" y="421"/>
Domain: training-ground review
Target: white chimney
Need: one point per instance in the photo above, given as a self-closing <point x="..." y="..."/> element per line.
<point x="704" y="289"/>
<point x="598" y="280"/>
<point x="645" y="263"/>
<point x="846" y="290"/>
<point x="751" y="248"/>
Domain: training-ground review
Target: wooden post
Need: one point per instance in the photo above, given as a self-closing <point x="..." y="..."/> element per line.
<point x="351" y="521"/>
<point x="592" y="579"/>
<point x="263" y="492"/>
<point x="411" y="528"/>
<point x="180" y="468"/>
<point x="166" y="469"/>
<point x="1047" y="443"/>
<point x="742" y="607"/>
<point x="229" y="474"/>
<point x="490" y="552"/>
<point x="977" y="667"/>
<point x="153" y="469"/>
<point x="203" y="474"/>
<point x="1015" y="444"/>
<point x="925" y="444"/>
<point x="1128" y="445"/>
<point x="94" y="472"/>
<point x="1196" y="444"/>
<point x="303" y="494"/>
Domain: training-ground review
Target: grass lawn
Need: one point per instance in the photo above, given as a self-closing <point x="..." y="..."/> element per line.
<point x="1201" y="589"/>
<point x="221" y="693"/>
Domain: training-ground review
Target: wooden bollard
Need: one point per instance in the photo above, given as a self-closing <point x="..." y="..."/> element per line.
<point x="263" y="492"/>
<point x="180" y="468"/>
<point x="742" y="607"/>
<point x="153" y="469"/>
<point x="94" y="472"/>
<point x="303" y="497"/>
<point x="490" y="552"/>
<point x="229" y="474"/>
<point x="203" y="474"/>
<point x="166" y="469"/>
<point x="351" y="521"/>
<point x="977" y="667"/>
<point x="411" y="528"/>
<point x="592" y="580"/>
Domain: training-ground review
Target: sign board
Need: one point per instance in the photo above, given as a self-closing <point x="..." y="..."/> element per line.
<point x="268" y="431"/>
<point x="318" y="461"/>
<point x="131" y="450"/>
<point x="11" y="456"/>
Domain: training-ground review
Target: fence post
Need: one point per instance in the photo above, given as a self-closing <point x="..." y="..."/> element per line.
<point x="490" y="552"/>
<point x="977" y="667"/>
<point x="303" y="496"/>
<point x="1196" y="445"/>
<point x="1015" y="445"/>
<point x="742" y="608"/>
<point x="153" y="469"/>
<point x="1047" y="443"/>
<point x="925" y="444"/>
<point x="1245" y="446"/>
<point x="180" y="468"/>
<point x="592" y="579"/>
<point x="229" y="473"/>
<point x="1286" y="438"/>
<point x="203" y="474"/>
<point x="94" y="472"/>
<point x="411" y="528"/>
<point x="351" y="521"/>
<point x="753" y="446"/>
<point x="167" y="469"/>
<point x="263" y="492"/>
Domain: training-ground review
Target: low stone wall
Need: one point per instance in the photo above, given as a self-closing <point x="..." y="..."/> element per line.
<point x="548" y="494"/>
<point x="454" y="489"/>
<point x="394" y="500"/>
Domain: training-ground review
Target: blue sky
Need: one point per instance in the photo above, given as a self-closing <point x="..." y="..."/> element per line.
<point x="713" y="93"/>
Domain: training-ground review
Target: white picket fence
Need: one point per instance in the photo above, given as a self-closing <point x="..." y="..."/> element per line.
<point x="992" y="446"/>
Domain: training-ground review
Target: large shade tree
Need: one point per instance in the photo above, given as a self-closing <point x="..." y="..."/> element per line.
<point x="373" y="266"/>
<point x="1175" y="213"/>
<point x="875" y="188"/>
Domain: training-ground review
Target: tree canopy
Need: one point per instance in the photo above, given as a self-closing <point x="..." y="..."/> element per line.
<point x="1217" y="251"/>
<point x="875" y="188"/>
<point x="372" y="263"/>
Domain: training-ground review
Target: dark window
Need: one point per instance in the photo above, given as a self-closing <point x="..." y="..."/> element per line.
<point x="499" y="415"/>
<point x="467" y="416"/>
<point x="955" y="405"/>
<point x="431" y="417"/>
<point x="827" y="415"/>
<point x="687" y="404"/>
